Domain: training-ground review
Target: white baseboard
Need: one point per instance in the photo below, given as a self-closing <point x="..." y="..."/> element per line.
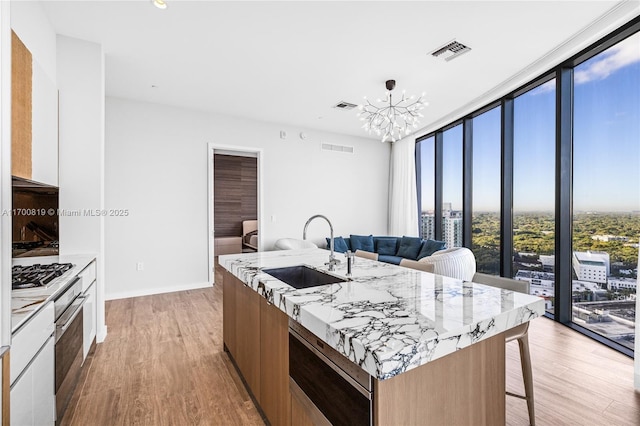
<point x="157" y="290"/>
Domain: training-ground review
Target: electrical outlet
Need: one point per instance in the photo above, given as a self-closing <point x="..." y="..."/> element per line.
<point x="139" y="266"/>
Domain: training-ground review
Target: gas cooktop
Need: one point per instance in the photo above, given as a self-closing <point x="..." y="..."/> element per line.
<point x="37" y="275"/>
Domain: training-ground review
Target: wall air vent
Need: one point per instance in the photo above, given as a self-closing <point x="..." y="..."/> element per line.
<point x="345" y="105"/>
<point x="450" y="51"/>
<point x="337" y="148"/>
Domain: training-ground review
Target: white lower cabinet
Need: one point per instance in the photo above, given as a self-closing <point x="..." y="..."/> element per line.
<point x="32" y="394"/>
<point x="32" y="371"/>
<point x="89" y="319"/>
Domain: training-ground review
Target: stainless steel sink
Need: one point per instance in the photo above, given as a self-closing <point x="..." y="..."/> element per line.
<point x="302" y="276"/>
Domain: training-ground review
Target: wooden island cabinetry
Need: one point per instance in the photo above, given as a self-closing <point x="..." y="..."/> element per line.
<point x="256" y="336"/>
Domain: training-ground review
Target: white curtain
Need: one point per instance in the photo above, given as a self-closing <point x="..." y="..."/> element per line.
<point x="403" y="200"/>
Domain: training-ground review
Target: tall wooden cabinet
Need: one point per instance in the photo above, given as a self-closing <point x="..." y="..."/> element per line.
<point x="256" y="335"/>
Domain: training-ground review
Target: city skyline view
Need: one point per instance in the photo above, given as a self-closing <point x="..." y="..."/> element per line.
<point x="604" y="200"/>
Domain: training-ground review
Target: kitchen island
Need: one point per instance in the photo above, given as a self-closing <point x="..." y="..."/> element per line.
<point x="433" y="345"/>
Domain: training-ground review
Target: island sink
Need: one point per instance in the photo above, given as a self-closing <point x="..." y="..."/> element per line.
<point x="302" y="276"/>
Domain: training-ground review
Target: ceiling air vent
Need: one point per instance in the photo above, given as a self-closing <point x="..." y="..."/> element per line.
<point x="345" y="105"/>
<point x="338" y="148"/>
<point x="450" y="51"/>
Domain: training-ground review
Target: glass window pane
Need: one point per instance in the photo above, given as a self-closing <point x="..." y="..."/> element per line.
<point x="452" y="187"/>
<point x="534" y="190"/>
<point x="606" y="191"/>
<point x="426" y="157"/>
<point x="485" y="235"/>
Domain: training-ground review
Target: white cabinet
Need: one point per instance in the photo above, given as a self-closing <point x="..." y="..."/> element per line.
<point x="89" y="319"/>
<point x="32" y="394"/>
<point x="89" y="316"/>
<point x="33" y="371"/>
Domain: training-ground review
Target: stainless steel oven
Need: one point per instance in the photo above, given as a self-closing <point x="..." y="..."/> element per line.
<point x="332" y="389"/>
<point x="68" y="343"/>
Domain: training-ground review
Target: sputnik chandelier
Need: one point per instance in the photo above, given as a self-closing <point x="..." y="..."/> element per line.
<point x="388" y="120"/>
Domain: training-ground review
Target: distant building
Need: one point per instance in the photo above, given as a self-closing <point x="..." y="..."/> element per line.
<point x="536" y="278"/>
<point x="548" y="262"/>
<point x="608" y="238"/>
<point x="592" y="266"/>
<point x="428" y="230"/>
<point x="616" y="283"/>
<point x="451" y="226"/>
<point x="452" y="231"/>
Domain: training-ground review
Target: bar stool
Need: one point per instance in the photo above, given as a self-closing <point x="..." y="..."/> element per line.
<point x="413" y="264"/>
<point x="519" y="333"/>
<point x="366" y="254"/>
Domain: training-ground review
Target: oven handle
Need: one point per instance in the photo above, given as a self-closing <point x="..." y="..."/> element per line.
<point x="61" y="328"/>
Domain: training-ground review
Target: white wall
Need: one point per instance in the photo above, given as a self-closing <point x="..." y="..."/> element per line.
<point x="156" y="168"/>
<point x="81" y="85"/>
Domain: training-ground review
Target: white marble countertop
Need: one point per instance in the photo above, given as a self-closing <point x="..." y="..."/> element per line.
<point x="388" y="319"/>
<point x="26" y="302"/>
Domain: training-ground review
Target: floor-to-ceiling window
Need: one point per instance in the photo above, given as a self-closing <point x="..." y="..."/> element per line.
<point x="485" y="233"/>
<point x="534" y="189"/>
<point x="425" y="153"/>
<point x="452" y="187"/>
<point x="606" y="191"/>
<point x="554" y="189"/>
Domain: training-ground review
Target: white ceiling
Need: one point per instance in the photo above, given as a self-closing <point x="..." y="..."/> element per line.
<point x="290" y="62"/>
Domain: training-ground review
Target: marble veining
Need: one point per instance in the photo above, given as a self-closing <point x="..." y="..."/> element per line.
<point x="388" y="319"/>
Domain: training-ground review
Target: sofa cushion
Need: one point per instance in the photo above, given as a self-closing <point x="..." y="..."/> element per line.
<point x="429" y="247"/>
<point x="409" y="247"/>
<point x="386" y="245"/>
<point x="389" y="259"/>
<point x="340" y="245"/>
<point x="362" y="242"/>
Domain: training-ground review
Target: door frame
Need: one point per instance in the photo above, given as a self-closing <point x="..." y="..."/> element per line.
<point x="212" y="149"/>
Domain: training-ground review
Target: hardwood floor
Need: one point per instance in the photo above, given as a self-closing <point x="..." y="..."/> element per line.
<point x="163" y="364"/>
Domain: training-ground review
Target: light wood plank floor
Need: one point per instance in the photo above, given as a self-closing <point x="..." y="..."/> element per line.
<point x="163" y="364"/>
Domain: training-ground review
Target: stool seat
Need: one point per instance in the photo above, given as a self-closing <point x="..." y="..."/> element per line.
<point x="519" y="333"/>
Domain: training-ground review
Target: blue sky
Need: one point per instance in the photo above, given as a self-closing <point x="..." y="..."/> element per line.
<point x="606" y="142"/>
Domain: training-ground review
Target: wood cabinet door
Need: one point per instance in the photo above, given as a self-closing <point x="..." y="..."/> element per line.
<point x="248" y="336"/>
<point x="274" y="368"/>
<point x="229" y="313"/>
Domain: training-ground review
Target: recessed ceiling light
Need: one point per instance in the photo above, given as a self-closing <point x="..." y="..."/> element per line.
<point x="160" y="4"/>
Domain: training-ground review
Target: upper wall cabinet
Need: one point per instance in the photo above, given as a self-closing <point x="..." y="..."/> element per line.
<point x="34" y="118"/>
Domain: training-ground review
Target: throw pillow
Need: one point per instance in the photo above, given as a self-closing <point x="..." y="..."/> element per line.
<point x="409" y="247"/>
<point x="339" y="245"/>
<point x="362" y="242"/>
<point x="429" y="247"/>
<point x="386" y="246"/>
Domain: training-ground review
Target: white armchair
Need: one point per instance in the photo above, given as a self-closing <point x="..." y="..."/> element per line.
<point x="455" y="262"/>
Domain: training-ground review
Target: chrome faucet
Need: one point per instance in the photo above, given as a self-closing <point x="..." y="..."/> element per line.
<point x="332" y="258"/>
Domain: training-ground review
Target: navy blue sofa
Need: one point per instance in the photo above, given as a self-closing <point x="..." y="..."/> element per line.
<point x="389" y="249"/>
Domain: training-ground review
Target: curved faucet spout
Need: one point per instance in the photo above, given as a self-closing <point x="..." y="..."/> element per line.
<point x="332" y="259"/>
